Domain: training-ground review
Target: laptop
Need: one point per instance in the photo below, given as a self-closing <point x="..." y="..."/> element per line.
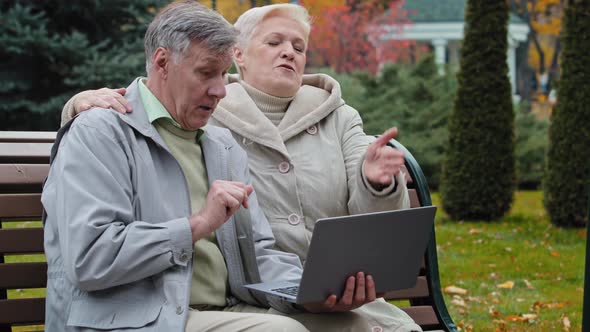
<point x="387" y="245"/>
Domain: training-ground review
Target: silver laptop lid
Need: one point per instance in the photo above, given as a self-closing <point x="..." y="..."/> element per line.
<point x="387" y="245"/>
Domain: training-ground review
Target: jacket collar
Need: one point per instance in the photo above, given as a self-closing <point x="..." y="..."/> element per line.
<point x="138" y="120"/>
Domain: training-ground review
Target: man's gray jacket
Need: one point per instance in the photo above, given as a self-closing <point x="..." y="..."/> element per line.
<point x="117" y="236"/>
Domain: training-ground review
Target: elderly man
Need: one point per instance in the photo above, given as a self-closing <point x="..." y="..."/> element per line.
<point x="140" y="235"/>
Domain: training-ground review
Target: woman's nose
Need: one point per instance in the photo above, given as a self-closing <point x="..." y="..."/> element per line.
<point x="288" y="52"/>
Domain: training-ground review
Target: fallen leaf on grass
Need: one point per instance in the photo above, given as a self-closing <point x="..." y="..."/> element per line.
<point x="566" y="323"/>
<point x="507" y="285"/>
<point x="528" y="284"/>
<point x="523" y="318"/>
<point x="554" y="305"/>
<point x="494" y="313"/>
<point x="458" y="301"/>
<point x="494" y="275"/>
<point x="455" y="290"/>
<point x="555" y="254"/>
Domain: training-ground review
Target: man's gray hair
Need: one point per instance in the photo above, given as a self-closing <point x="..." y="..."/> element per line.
<point x="180" y="23"/>
<point x="249" y="20"/>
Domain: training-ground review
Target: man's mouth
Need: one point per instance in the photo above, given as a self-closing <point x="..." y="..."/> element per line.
<point x="206" y="108"/>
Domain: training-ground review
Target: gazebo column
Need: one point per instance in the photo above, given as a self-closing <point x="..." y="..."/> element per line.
<point x="511" y="58"/>
<point x="440" y="54"/>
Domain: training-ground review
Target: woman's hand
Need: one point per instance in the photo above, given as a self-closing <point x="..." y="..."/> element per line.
<point x="104" y="98"/>
<point x="358" y="291"/>
<point x="382" y="162"/>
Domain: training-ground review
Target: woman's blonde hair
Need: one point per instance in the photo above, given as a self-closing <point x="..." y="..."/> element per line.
<point x="249" y="20"/>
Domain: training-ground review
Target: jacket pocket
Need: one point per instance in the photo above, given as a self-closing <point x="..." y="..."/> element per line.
<point x="103" y="314"/>
<point x="128" y="306"/>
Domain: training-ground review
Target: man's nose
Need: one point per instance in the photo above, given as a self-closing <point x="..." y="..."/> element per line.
<point x="218" y="89"/>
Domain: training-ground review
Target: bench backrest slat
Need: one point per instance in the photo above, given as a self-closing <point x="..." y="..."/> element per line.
<point x="23" y="275"/>
<point x="30" y="153"/>
<point x="425" y="315"/>
<point x="420" y="290"/>
<point x="22" y="174"/>
<point x="21" y="241"/>
<point x="28" y="136"/>
<point x="22" y="311"/>
<point x="24" y="207"/>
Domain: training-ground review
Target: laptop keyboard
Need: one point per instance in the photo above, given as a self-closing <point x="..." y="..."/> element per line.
<point x="291" y="290"/>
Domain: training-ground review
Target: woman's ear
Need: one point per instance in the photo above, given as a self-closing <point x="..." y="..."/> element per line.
<point x="238" y="56"/>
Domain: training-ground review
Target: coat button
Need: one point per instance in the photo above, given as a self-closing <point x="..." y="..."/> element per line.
<point x="284" y="167"/>
<point x="179" y="310"/>
<point x="183" y="256"/>
<point x="293" y="219"/>
<point x="312" y="130"/>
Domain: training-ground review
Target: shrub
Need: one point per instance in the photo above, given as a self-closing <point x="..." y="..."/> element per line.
<point x="568" y="161"/>
<point x="53" y="49"/>
<point x="479" y="171"/>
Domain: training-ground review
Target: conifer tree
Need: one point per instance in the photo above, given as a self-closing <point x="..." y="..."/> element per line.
<point x="479" y="169"/>
<point x="567" y="177"/>
<point x="52" y="49"/>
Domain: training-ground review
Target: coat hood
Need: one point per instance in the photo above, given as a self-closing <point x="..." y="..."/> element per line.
<point x="318" y="96"/>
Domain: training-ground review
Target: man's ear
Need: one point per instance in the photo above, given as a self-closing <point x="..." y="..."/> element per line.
<point x="160" y="61"/>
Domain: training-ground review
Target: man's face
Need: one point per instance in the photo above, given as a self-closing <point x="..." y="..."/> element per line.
<point x="196" y="83"/>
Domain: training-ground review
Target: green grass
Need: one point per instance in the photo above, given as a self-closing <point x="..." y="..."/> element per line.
<point x="545" y="263"/>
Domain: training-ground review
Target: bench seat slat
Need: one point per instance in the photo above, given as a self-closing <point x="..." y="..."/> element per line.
<point x="421" y="290"/>
<point x="21" y="206"/>
<point x="21" y="241"/>
<point x="22" y="311"/>
<point x="23" y="275"/>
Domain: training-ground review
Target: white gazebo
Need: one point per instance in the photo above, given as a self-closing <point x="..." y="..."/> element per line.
<point x="440" y="23"/>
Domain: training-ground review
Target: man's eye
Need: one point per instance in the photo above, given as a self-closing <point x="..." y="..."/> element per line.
<point x="273" y="43"/>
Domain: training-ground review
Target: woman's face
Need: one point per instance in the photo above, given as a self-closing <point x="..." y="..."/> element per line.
<point x="274" y="59"/>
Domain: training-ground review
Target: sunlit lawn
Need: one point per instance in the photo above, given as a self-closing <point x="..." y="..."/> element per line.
<point x="521" y="274"/>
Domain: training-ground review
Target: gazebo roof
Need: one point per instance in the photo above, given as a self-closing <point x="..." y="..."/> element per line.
<point x="443" y="20"/>
<point x="433" y="11"/>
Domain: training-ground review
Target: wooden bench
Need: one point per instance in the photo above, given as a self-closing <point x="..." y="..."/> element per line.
<point x="24" y="158"/>
<point x="24" y="163"/>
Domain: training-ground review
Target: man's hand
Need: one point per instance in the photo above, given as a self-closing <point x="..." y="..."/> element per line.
<point x="223" y="200"/>
<point x="382" y="162"/>
<point x="104" y="98"/>
<point x="358" y="291"/>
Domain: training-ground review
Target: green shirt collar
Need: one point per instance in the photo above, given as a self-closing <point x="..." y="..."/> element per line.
<point x="155" y="110"/>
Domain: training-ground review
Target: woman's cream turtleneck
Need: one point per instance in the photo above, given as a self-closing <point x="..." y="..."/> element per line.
<point x="274" y="108"/>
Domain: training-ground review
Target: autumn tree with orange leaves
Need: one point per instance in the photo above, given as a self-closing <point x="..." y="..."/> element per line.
<point x="346" y="36"/>
<point x="544" y="18"/>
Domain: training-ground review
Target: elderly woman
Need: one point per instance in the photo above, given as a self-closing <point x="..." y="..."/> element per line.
<point x="308" y="154"/>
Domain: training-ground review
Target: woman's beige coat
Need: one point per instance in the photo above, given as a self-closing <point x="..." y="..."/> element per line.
<point x="309" y="167"/>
